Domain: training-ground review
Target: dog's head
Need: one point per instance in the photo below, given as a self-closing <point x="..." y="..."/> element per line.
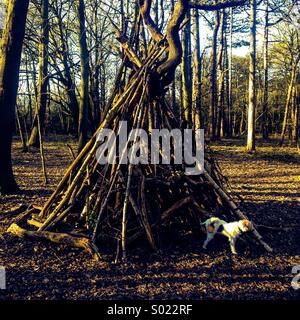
<point x="245" y="225"/>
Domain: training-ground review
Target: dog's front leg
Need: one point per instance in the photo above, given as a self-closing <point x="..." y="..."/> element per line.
<point x="232" y="242"/>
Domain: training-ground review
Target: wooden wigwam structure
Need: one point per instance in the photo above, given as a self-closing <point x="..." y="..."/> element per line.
<point x="115" y="204"/>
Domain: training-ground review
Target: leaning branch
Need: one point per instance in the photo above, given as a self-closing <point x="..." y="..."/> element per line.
<point x="145" y="8"/>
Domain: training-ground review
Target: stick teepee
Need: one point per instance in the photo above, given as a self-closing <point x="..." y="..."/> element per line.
<point x="95" y="205"/>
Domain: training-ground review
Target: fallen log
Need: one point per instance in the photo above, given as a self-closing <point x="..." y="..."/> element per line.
<point x="58" y="238"/>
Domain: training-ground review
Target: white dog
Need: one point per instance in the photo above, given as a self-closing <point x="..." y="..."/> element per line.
<point x="230" y="230"/>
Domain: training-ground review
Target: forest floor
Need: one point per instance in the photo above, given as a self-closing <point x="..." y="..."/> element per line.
<point x="268" y="182"/>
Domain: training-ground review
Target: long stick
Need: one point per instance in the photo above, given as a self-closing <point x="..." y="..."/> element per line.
<point x="124" y="216"/>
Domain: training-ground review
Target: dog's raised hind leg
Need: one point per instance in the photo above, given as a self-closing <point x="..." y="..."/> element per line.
<point x="209" y="237"/>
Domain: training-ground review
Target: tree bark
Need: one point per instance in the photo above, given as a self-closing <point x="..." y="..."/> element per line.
<point x="186" y="74"/>
<point x="221" y="71"/>
<point x="67" y="79"/>
<point x="213" y="80"/>
<point x="252" y="79"/>
<point x="288" y="103"/>
<point x="230" y="86"/>
<point x="227" y="118"/>
<point x="297" y="125"/>
<point x="84" y="83"/>
<point x="295" y="112"/>
<point x="95" y="77"/>
<point x="197" y="81"/>
<point x="41" y="101"/>
<point x="265" y="119"/>
<point x="10" y="58"/>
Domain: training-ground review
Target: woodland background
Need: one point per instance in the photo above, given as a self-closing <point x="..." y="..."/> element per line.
<point x="71" y="57"/>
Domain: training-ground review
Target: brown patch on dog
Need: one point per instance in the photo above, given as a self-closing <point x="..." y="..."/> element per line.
<point x="247" y="224"/>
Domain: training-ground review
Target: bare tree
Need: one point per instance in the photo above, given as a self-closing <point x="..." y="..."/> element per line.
<point x="197" y="76"/>
<point x="252" y="78"/>
<point x="187" y="74"/>
<point x="85" y="70"/>
<point x="10" y="53"/>
<point x="41" y="101"/>
<point x="265" y="122"/>
<point x="213" y="71"/>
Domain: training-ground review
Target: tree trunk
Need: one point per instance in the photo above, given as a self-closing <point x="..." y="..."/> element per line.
<point x="297" y="120"/>
<point x="84" y="84"/>
<point x="95" y="77"/>
<point x="175" y="108"/>
<point x="10" y="58"/>
<point x="287" y="105"/>
<point x="229" y="98"/>
<point x="295" y="113"/>
<point x="68" y="79"/>
<point x="28" y="90"/>
<point x="197" y="81"/>
<point x="41" y="101"/>
<point x="226" y="122"/>
<point x="213" y="70"/>
<point x="186" y="75"/>
<point x="220" y="103"/>
<point x="241" y="130"/>
<point x="265" y="122"/>
<point x="252" y="79"/>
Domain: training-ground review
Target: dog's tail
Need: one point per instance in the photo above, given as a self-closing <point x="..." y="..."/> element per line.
<point x="210" y="220"/>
